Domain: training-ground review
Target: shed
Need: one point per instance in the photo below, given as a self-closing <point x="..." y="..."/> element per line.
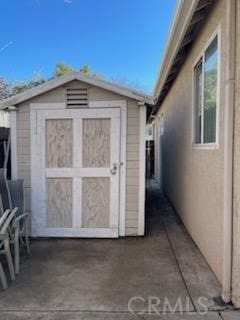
<point x="79" y="144"/>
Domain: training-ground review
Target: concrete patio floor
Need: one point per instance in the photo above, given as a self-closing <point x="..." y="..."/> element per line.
<point x="96" y="278"/>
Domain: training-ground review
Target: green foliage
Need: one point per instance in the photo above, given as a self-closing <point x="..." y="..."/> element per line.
<point x="23" y="86"/>
<point x="210" y="90"/>
<point x="9" y="89"/>
<point x="85" y="69"/>
<point x="19" y="88"/>
<point x="61" y="69"/>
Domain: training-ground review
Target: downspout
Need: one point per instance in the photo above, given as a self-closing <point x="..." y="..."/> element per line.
<point x="228" y="150"/>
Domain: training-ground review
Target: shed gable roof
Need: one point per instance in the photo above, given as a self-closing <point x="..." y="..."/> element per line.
<point x="57" y="82"/>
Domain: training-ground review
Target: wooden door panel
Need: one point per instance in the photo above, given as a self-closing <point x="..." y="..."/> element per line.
<point x="59" y="143"/>
<point x="96" y="143"/>
<point x="95" y="202"/>
<point x="59" y="202"/>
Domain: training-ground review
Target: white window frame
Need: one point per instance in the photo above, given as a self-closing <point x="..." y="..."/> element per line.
<point x="161" y="124"/>
<point x="202" y="145"/>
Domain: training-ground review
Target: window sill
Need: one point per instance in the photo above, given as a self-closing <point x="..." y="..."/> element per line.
<point x="205" y="146"/>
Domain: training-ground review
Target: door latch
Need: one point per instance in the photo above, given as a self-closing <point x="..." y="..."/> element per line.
<point x="115" y="167"/>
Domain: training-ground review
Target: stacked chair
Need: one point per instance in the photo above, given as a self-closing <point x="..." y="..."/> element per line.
<point x="13" y="224"/>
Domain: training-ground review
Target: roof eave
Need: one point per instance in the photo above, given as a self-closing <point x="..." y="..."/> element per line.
<point x="170" y="53"/>
<point x="186" y="25"/>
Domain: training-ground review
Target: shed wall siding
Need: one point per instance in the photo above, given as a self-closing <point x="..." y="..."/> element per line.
<point x="193" y="178"/>
<point x="4" y="119"/>
<point x="132" y="165"/>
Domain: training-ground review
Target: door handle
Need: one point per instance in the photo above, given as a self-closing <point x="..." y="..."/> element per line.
<point x="115" y="167"/>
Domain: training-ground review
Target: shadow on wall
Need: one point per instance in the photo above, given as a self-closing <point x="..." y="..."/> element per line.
<point x="174" y="144"/>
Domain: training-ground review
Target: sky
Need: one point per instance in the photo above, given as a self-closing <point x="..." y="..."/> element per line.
<point x="122" y="40"/>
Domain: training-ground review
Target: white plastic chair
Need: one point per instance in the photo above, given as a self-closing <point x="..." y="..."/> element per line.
<point x="2" y="220"/>
<point x="16" y="190"/>
<point x="5" y="224"/>
<point x="13" y="196"/>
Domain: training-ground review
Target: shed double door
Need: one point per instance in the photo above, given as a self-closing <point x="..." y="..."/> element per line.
<point x="77" y="157"/>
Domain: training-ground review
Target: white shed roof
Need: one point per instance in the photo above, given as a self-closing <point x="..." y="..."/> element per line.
<point x="57" y="82"/>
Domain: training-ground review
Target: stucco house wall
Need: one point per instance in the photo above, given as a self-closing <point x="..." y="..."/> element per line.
<point x="236" y="174"/>
<point x="192" y="177"/>
<point x="95" y="94"/>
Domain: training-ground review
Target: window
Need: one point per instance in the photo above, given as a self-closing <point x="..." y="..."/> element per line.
<point x="205" y="95"/>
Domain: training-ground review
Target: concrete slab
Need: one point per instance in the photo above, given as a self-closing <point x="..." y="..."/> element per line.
<point x="66" y="316"/>
<point x="103" y="316"/>
<point x="96" y="275"/>
<point x="100" y="275"/>
<point x="230" y="315"/>
<point x="193" y="316"/>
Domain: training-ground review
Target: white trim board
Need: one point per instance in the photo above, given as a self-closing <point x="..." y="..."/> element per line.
<point x="142" y="166"/>
<point x="13" y="139"/>
<point x="202" y="145"/>
<point x="83" y="232"/>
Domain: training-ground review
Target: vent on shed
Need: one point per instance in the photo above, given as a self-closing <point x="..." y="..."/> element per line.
<point x="77" y="97"/>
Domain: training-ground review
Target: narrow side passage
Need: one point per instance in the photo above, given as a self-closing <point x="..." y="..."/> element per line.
<point x="104" y="275"/>
<point x="200" y="282"/>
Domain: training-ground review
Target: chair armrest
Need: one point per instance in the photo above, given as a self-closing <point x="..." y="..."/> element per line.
<point x="9" y="219"/>
<point x="4" y="217"/>
<point x="4" y="236"/>
<point x="22" y="216"/>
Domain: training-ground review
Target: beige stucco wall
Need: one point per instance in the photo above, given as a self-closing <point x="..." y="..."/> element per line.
<point x="193" y="178"/>
<point x="132" y="166"/>
<point x="236" y="174"/>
